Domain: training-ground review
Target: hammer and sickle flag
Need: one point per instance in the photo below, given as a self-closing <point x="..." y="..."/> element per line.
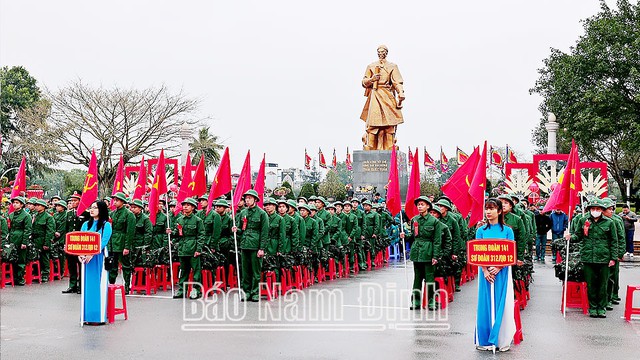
<point x="222" y="181"/>
<point x="90" y="189"/>
<point x="458" y="186"/>
<point x="118" y="185"/>
<point x="20" y="182"/>
<point x="158" y="188"/>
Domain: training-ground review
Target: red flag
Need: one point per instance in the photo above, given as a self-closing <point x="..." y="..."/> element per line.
<point x="244" y="182"/>
<point x="477" y="189"/>
<point x="461" y="156"/>
<point x="199" y="179"/>
<point x="444" y="162"/>
<point x="334" y="161"/>
<point x="413" y="191"/>
<point x="118" y="185"/>
<point x="410" y="157"/>
<point x="393" y="186"/>
<point x="221" y="183"/>
<point x="158" y="188"/>
<point x="186" y="186"/>
<point x="458" y="185"/>
<point x="20" y="182"/>
<point x="428" y="160"/>
<point x="307" y="160"/>
<point x="141" y="184"/>
<point x="565" y="195"/>
<point x="511" y="157"/>
<point x="321" y="160"/>
<point x="259" y="186"/>
<point x="90" y="189"/>
<point x="496" y="158"/>
<point x="348" y="161"/>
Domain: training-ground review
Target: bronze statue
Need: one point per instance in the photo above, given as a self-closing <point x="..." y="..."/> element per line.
<point x="382" y="82"/>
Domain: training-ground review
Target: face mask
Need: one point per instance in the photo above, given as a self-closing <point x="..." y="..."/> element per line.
<point x="596" y="213"/>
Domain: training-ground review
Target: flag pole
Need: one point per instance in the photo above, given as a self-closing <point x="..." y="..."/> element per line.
<point x="166" y="200"/>
<point x="83" y="292"/>
<point x="235" y="242"/>
<point x="566" y="269"/>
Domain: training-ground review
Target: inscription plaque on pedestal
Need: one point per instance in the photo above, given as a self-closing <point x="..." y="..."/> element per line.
<point x="371" y="172"/>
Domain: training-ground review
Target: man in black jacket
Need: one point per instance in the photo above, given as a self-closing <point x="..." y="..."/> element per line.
<point x="543" y="225"/>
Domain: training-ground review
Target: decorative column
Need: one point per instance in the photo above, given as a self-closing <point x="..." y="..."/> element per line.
<point x="552" y="130"/>
<point x="185" y="135"/>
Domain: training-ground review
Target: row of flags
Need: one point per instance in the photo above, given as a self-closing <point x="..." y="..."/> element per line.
<point x="496" y="158"/>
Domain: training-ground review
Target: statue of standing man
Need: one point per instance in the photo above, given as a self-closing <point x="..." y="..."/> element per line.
<point x="382" y="82"/>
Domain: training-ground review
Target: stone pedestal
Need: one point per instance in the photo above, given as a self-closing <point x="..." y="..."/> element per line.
<point x="371" y="172"/>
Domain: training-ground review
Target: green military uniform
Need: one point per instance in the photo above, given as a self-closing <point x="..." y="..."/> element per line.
<point x="60" y="218"/>
<point x="352" y="233"/>
<point x="321" y="235"/>
<point x="143" y="235"/>
<point x="311" y="235"/>
<point x="370" y="230"/>
<point x="277" y="231"/>
<point x="123" y="223"/>
<point x="212" y="226"/>
<point x="457" y="242"/>
<point x="323" y="215"/>
<point x="74" y="223"/>
<point x="189" y="231"/>
<point x="334" y="229"/>
<point x="598" y="246"/>
<point x="225" y="242"/>
<point x="614" y="271"/>
<point x="160" y="238"/>
<point x="427" y="246"/>
<point x="300" y="223"/>
<point x="42" y="234"/>
<point x="20" y="234"/>
<point x="254" y="235"/>
<point x="291" y="231"/>
<point x="4" y="229"/>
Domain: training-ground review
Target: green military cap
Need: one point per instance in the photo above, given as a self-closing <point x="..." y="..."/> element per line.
<point x="323" y="200"/>
<point x="270" y="201"/>
<point x="41" y="202"/>
<point x="162" y="201"/>
<point x="173" y="203"/>
<point x="608" y="202"/>
<point x="190" y="201"/>
<point x="422" y="198"/>
<point x="515" y="197"/>
<point x="336" y="203"/>
<point x="301" y="197"/>
<point x="596" y="203"/>
<point x="145" y="202"/>
<point x="221" y="202"/>
<point x="508" y="198"/>
<point x="19" y="198"/>
<point x="346" y="203"/>
<point x="282" y="201"/>
<point x="203" y="197"/>
<point x="62" y="203"/>
<point x="107" y="199"/>
<point x="331" y="206"/>
<point x="56" y="197"/>
<point x="32" y="200"/>
<point x="312" y="198"/>
<point x="444" y="202"/>
<point x="436" y="209"/>
<point x="76" y="195"/>
<point x="253" y="193"/>
<point x="312" y="207"/>
<point x="121" y="196"/>
<point x="303" y="206"/>
<point x="444" y="197"/>
<point x="521" y="205"/>
<point x="292" y="203"/>
<point x="356" y="200"/>
<point x="137" y="202"/>
<point x="367" y="202"/>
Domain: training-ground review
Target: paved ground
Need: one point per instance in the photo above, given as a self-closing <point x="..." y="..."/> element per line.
<point x="39" y="322"/>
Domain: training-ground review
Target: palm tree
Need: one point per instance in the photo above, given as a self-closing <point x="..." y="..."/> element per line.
<point x="206" y="144"/>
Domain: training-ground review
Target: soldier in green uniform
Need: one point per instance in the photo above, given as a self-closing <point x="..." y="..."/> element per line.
<point x="160" y="238"/>
<point x="323" y="214"/>
<point x="4" y="231"/>
<point x="31" y="204"/>
<point x="369" y="234"/>
<point x="203" y="203"/>
<point x="143" y="235"/>
<point x="59" y="237"/>
<point x="517" y="210"/>
<point x="123" y="223"/>
<point x="276" y="235"/>
<point x="19" y="235"/>
<point x="74" y="223"/>
<point x="311" y="236"/>
<point x="598" y="239"/>
<point x="189" y="232"/>
<point x="42" y="233"/>
<point x="457" y="243"/>
<point x="225" y="240"/>
<point x="322" y="233"/>
<point x="291" y="234"/>
<point x="352" y="231"/>
<point x="296" y="242"/>
<point x="515" y="223"/>
<point x="355" y="208"/>
<point x="614" y="271"/>
<point x="334" y="227"/>
<point x="52" y="204"/>
<point x="425" y="251"/>
<point x="254" y="235"/>
<point x="172" y="216"/>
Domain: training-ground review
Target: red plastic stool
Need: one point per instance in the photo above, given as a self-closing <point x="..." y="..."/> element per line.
<point x="55" y="271"/>
<point x="307" y="277"/>
<point x="66" y="269"/>
<point x="176" y="272"/>
<point x="297" y="277"/>
<point x="520" y="292"/>
<point x="576" y="296"/>
<point x="7" y="274"/>
<point x="321" y="274"/>
<point x="112" y="310"/>
<point x="517" y="337"/>
<point x="463" y="276"/>
<point x="268" y="277"/>
<point x="442" y="300"/>
<point x="346" y="266"/>
<point x="28" y="274"/>
<point x="451" y="287"/>
<point x="162" y="277"/>
<point x="369" y="261"/>
<point x="142" y="280"/>
<point x="285" y="280"/>
<point x="331" y="273"/>
<point x="232" y="281"/>
<point x="221" y="275"/>
<point x="628" y="306"/>
<point x="356" y="264"/>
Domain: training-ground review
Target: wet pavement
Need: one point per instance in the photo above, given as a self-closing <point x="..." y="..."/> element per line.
<point x="363" y="317"/>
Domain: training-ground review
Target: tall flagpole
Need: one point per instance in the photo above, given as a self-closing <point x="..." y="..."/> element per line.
<point x="166" y="200"/>
<point x="235" y="241"/>
<point x="83" y="292"/>
<point x="566" y="269"/>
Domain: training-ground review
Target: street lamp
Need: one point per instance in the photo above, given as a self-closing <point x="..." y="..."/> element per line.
<point x="627" y="176"/>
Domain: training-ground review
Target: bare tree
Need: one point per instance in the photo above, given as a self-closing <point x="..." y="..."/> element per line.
<point x="114" y="121"/>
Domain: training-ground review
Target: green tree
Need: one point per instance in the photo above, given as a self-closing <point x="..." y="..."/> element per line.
<point x="208" y="145"/>
<point x="594" y="91"/>
<point x="429" y="187"/>
<point x="18" y="91"/>
<point x="332" y="187"/>
<point x="73" y="180"/>
<point x="345" y="175"/>
<point x="289" y="194"/>
<point x="307" y="190"/>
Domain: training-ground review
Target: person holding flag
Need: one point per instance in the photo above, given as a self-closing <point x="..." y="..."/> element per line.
<point x="188" y="231"/>
<point x="19" y="235"/>
<point x="42" y="234"/>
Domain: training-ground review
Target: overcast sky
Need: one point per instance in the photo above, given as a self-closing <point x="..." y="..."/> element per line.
<point x="279" y="76"/>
